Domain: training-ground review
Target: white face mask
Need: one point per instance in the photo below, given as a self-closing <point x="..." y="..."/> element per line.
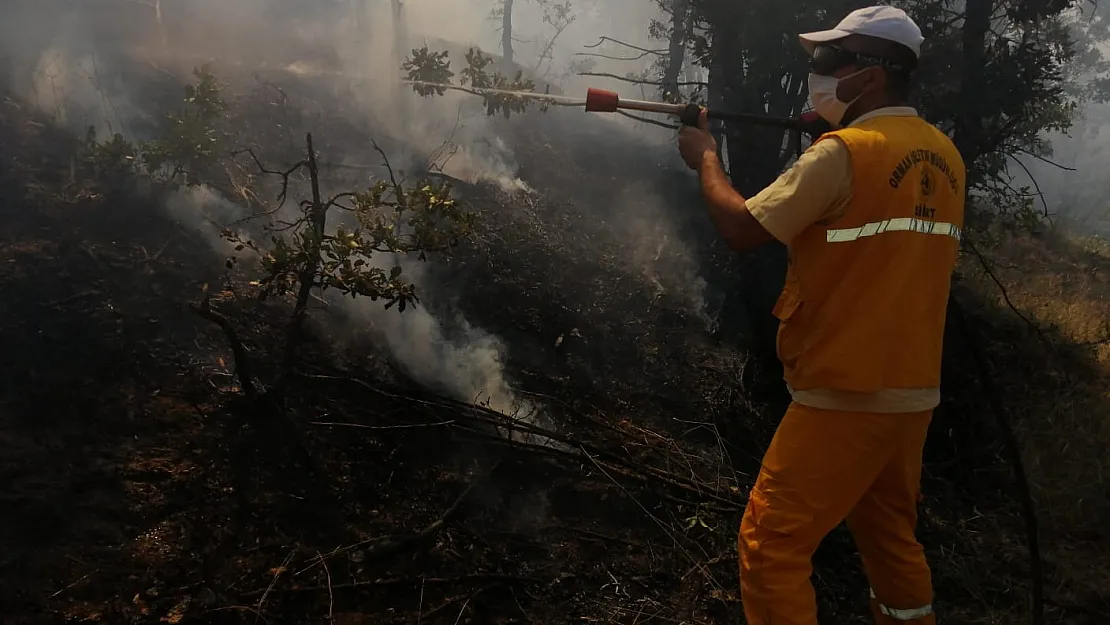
<point x="822" y="93"/>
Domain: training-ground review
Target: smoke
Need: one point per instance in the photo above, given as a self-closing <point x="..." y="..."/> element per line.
<point x="77" y="65"/>
<point x="448" y="355"/>
<point x="203" y="211"/>
<point x="660" y="257"/>
<point x="1072" y="182"/>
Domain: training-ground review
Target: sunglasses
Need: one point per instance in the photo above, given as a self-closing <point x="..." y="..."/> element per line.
<point x="827" y="59"/>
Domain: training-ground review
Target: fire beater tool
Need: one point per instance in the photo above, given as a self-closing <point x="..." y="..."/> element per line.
<point x="603" y="101"/>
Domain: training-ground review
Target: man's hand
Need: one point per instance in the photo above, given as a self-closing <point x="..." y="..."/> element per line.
<point x="695" y="143"/>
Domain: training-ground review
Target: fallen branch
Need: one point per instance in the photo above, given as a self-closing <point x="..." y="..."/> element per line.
<point x="686" y="484"/>
<point x="632" y="471"/>
<point x="238" y="350"/>
<point x="401" y="581"/>
<point x="464" y="413"/>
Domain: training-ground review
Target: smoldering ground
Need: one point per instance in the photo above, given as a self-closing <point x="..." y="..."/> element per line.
<point x="83" y="68"/>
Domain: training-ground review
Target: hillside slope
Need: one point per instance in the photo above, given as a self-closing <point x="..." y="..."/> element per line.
<point x="144" y="489"/>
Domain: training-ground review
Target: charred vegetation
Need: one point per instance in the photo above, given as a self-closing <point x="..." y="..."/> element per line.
<point x="179" y="451"/>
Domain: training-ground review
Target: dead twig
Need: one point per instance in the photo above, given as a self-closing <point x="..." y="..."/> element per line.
<point x="273" y="582"/>
<point x="238" y="350"/>
<point x="466" y="599"/>
<point x="703" y="565"/>
<point x="985" y="264"/>
<point x="463" y="609"/>
<point x="331" y="592"/>
<point x="71" y="585"/>
<point x="668" y="531"/>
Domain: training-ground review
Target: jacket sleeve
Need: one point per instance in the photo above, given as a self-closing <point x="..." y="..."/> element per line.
<point x="815" y="189"/>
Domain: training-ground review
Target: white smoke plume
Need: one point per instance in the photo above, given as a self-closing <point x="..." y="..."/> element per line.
<point x="1073" y="183"/>
<point x="465" y="362"/>
<point x="661" y="258"/>
<point x="63" y="58"/>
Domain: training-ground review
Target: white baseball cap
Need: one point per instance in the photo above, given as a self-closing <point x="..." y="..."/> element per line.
<point x="881" y="22"/>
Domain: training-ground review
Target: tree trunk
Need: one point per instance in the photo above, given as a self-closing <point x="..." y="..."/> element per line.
<point x="676" y="55"/>
<point x="317" y="216"/>
<point x="756" y="281"/>
<point x="977" y="21"/>
<point x="507" y="31"/>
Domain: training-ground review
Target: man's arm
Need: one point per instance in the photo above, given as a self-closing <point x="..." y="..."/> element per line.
<point x="728" y="209"/>
<point x="816" y="188"/>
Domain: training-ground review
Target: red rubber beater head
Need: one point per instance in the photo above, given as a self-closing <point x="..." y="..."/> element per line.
<point x="601" y="101"/>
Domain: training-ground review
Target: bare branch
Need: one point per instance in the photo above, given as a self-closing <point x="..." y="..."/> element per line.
<point x="645" y="51"/>
<point x="1033" y="179"/>
<point x="597" y="55"/>
<point x="317" y="215"/>
<point x="285" y="175"/>
<point x="985" y="264"/>
<point x="1047" y="161"/>
<point x="334" y="201"/>
<point x="641" y="81"/>
<point x="398" y="191"/>
<point x="653" y="122"/>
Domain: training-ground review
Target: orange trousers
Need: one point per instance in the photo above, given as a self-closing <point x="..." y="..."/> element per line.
<point x="824" y="467"/>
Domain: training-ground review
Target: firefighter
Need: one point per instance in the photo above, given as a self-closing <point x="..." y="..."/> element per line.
<point x="871" y="215"/>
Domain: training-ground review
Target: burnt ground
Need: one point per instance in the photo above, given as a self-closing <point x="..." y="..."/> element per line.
<point x="139" y="486"/>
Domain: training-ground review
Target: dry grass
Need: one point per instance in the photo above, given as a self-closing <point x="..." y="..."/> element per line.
<point x="1053" y="358"/>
